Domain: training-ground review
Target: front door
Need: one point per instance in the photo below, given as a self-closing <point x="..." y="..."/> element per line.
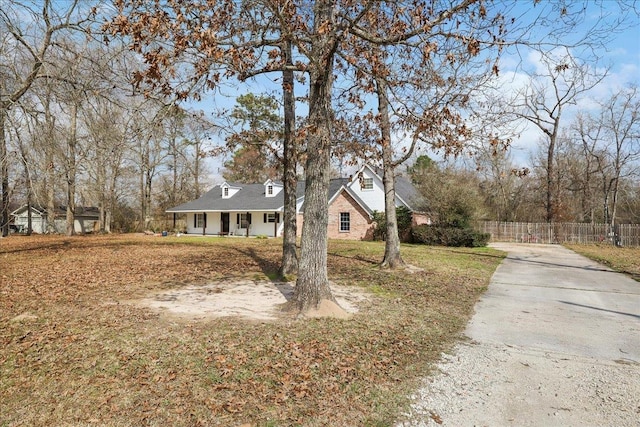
<point x="225" y="222"/>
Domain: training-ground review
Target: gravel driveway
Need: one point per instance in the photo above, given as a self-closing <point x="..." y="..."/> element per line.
<point x="555" y="341"/>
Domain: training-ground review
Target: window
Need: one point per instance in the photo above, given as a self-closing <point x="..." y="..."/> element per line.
<point x="345" y="222"/>
<point x="198" y="220"/>
<point x="270" y="217"/>
<point x="243" y="220"/>
<point x="225" y="192"/>
<point x="270" y="191"/>
<point x="367" y="184"/>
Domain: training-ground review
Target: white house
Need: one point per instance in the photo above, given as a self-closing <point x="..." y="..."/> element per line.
<point x="86" y="219"/>
<point x="256" y="209"/>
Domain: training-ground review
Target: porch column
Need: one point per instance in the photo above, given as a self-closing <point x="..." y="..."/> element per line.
<point x="204" y="222"/>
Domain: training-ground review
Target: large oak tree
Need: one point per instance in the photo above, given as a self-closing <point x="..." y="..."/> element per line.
<point x="190" y="46"/>
<point x="232" y="38"/>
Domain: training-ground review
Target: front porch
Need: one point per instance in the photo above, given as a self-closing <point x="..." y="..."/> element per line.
<point x="233" y="223"/>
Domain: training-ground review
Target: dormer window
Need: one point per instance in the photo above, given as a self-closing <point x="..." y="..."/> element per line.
<point x="367" y="184"/>
<point x="271" y="189"/>
<point x="227" y="190"/>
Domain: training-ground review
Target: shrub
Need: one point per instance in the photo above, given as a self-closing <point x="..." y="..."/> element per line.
<point x="436" y="235"/>
<point x="404" y="219"/>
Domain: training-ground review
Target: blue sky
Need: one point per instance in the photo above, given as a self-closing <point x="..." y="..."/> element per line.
<point x="621" y="53"/>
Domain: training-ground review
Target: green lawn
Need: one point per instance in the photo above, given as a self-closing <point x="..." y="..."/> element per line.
<point x="625" y="260"/>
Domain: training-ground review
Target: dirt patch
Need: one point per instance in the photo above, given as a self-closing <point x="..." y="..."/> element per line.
<point x="252" y="299"/>
<point x="25" y="317"/>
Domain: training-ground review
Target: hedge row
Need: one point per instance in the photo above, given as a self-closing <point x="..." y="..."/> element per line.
<point x="449" y="236"/>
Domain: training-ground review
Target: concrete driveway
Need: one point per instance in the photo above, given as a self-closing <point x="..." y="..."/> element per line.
<point x="555" y="341"/>
<point x="546" y="297"/>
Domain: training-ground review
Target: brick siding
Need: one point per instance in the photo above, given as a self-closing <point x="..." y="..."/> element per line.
<point x="361" y="227"/>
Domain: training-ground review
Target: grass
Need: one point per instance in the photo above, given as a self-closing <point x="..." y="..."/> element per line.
<point x="83" y="355"/>
<point x="625" y="260"/>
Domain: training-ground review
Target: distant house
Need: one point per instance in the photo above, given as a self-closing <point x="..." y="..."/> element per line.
<point x="256" y="209"/>
<point x="86" y="219"/>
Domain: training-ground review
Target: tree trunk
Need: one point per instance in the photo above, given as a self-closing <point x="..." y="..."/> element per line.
<point x="605" y="204"/>
<point x="312" y="285"/>
<point x="617" y="170"/>
<point x="107" y="222"/>
<point x="145" y="186"/>
<point x="50" y="148"/>
<point x="29" y="214"/>
<point x="550" y="154"/>
<point x="392" y="258"/>
<point x="290" y="164"/>
<point x="196" y="171"/>
<point x="111" y="199"/>
<point x="174" y="164"/>
<point x="101" y="186"/>
<point x="71" y="171"/>
<point x="147" y="198"/>
<point x="4" y="176"/>
<point x="552" y="194"/>
<point x="614" y="199"/>
<point x="51" y="200"/>
<point x="28" y="183"/>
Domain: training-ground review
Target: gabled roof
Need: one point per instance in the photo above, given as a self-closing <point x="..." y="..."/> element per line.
<point x="234" y="185"/>
<point x="335" y="186"/>
<point x="23" y="209"/>
<point x="251" y="197"/>
<point x="354" y="196"/>
<point x="80" y="211"/>
<point x="405" y="190"/>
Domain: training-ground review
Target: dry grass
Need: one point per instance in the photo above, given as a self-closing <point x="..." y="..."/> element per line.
<point x="74" y="352"/>
<point x="625" y="260"/>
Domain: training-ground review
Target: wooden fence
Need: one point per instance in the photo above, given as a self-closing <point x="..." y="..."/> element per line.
<point x="530" y="232"/>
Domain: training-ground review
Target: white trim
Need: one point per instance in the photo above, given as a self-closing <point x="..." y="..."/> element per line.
<point x="366" y="165"/>
<point x="355" y="199"/>
<point x="364" y="187"/>
<point x="348" y="230"/>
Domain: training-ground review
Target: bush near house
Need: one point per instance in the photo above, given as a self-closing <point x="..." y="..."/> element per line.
<point x="404" y="219"/>
<point x="439" y="235"/>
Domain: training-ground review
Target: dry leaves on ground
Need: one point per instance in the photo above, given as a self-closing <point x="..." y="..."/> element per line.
<point x="73" y="350"/>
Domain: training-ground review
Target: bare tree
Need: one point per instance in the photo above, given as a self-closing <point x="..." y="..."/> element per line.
<point x="504" y="186"/>
<point x="107" y="127"/>
<point x="29" y="30"/>
<point x="611" y="142"/>
<point x="205" y="43"/>
<point x="559" y="84"/>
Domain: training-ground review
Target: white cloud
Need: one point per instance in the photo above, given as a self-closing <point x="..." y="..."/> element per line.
<point x="624" y="71"/>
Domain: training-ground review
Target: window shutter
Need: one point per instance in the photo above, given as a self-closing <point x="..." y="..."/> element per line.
<point x="264" y="218"/>
<point x="237" y="219"/>
<point x="195" y="220"/>
<point x="204" y="220"/>
<point x="249" y="218"/>
<point x="277" y="217"/>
